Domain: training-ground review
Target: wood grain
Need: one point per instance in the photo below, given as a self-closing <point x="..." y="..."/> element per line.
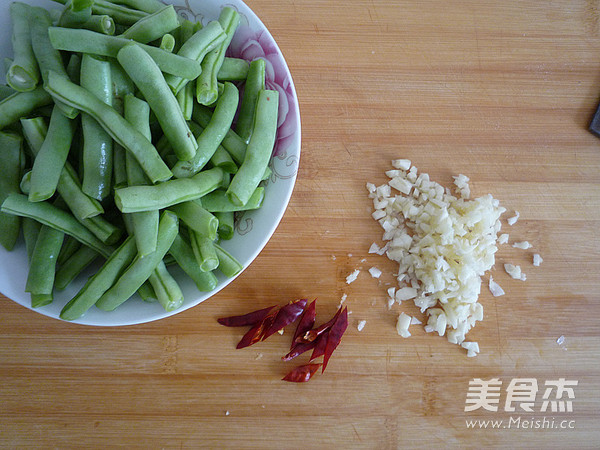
<point x="499" y="91"/>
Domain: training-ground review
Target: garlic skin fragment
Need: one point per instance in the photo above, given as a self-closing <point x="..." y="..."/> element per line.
<point x="495" y="288"/>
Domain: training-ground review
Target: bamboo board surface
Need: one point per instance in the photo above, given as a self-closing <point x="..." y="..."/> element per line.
<point x="499" y="91"/>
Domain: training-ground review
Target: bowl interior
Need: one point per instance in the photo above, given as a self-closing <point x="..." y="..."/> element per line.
<point x="253" y="229"/>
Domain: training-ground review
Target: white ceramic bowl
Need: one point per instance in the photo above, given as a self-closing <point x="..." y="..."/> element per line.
<point x="252" y="40"/>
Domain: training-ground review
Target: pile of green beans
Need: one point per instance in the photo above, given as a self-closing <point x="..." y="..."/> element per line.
<point x="124" y="140"/>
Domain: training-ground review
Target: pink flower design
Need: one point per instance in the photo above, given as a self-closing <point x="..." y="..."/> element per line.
<point x="250" y="45"/>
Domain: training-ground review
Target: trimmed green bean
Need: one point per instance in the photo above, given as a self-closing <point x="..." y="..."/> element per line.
<point x="120" y="14"/>
<point x="31" y="229"/>
<point x="10" y="155"/>
<point x="204" y="251"/>
<point x="255" y="83"/>
<point x="74" y="68"/>
<point x="223" y="159"/>
<point x="146" y="292"/>
<point x="228" y="265"/>
<point x="20" y="104"/>
<point x="185" y="98"/>
<point x="101" y="281"/>
<point x="100" y="24"/>
<point x="51" y="158"/>
<point x="218" y="201"/>
<point x="260" y="148"/>
<point x="206" y="84"/>
<point x="184" y="257"/>
<point x="70" y="246"/>
<point x="54" y="217"/>
<point x="103" y="229"/>
<point x="74" y="265"/>
<point x="142" y="266"/>
<point x="42" y="270"/>
<point x="226" y="226"/>
<point x="69" y="187"/>
<point x="167" y="43"/>
<point x="6" y="91"/>
<point x="97" y="143"/>
<point x="196" y="47"/>
<point x="163" y="195"/>
<point x="168" y="292"/>
<point x="149" y="79"/>
<point x="234" y="144"/>
<point x="233" y="69"/>
<point x="148" y="6"/>
<point x="197" y="218"/>
<point x="208" y="141"/>
<point x="25" y="184"/>
<point x="153" y="26"/>
<point x="48" y="58"/>
<point x="73" y="17"/>
<point x="24" y="73"/>
<point x="144" y="224"/>
<point x="86" y="41"/>
<point x="113" y="123"/>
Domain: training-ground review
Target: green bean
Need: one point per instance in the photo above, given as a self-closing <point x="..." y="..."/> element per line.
<point x="196" y="47"/>
<point x="101" y="281"/>
<point x="213" y="133"/>
<point x="97" y="143"/>
<point x="142" y="266"/>
<point x="51" y="158"/>
<point x="204" y="251"/>
<point x="225" y="181"/>
<point x="206" y="84"/>
<point x="146" y="292"/>
<point x="10" y="155"/>
<point x="20" y="104"/>
<point x="144" y="224"/>
<point x="42" y="270"/>
<point x="120" y="14"/>
<point x="74" y="265"/>
<point x="260" y="148"/>
<point x="70" y="246"/>
<point x="185" y="99"/>
<point x="5" y="91"/>
<point x="25" y="184"/>
<point x="149" y="79"/>
<point x="197" y="218"/>
<point x="163" y="195"/>
<point x="167" y="43"/>
<point x="153" y="26"/>
<point x="234" y="144"/>
<point x="113" y="123"/>
<point x="54" y="217"/>
<point x="31" y="229"/>
<point x="102" y="229"/>
<point x="228" y="265"/>
<point x="223" y="159"/>
<point x="86" y="41"/>
<point x="74" y="17"/>
<point x="184" y="257"/>
<point x="100" y="24"/>
<point x="254" y="84"/>
<point x="79" y="5"/>
<point x="148" y="6"/>
<point x="24" y="73"/>
<point x="48" y="58"/>
<point x="122" y="85"/>
<point x="69" y="187"/>
<point x="218" y="201"/>
<point x="167" y="290"/>
<point x="74" y="68"/>
<point x="226" y="226"/>
<point x="233" y="69"/>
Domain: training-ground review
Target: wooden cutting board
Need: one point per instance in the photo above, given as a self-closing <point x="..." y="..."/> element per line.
<point x="499" y="91"/>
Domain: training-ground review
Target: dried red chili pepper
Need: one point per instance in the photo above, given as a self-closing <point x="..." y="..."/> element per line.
<point x="302" y="374"/>
<point x="320" y="344"/>
<point x="300" y="348"/>
<point x="256" y="333"/>
<point x="287" y="314"/>
<point x="306" y="322"/>
<point x="247" y="319"/>
<point x="311" y="335"/>
<point x="335" y="336"/>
